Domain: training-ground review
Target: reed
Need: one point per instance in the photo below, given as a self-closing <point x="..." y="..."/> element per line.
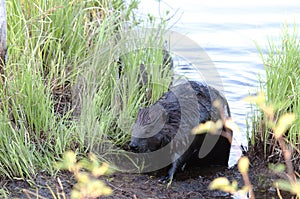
<point x="282" y="87"/>
<point x="53" y="48"/>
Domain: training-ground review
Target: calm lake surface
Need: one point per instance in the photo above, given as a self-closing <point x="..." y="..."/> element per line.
<point x="226" y="32"/>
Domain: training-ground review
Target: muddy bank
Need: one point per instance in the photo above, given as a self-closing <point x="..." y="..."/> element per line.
<point x="192" y="183"/>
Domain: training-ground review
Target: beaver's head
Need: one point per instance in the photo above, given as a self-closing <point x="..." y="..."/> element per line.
<point x="146" y="133"/>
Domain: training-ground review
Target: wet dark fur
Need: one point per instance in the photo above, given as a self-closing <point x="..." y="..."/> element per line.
<point x="162" y="119"/>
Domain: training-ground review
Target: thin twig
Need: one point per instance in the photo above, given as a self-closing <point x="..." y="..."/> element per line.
<point x="278" y="192"/>
<point x="28" y="193"/>
<point x="62" y="192"/>
<point x="248" y="184"/>
<point x="287" y="157"/>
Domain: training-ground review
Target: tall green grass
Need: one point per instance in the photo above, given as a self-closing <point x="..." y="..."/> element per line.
<point x="282" y="86"/>
<point x="111" y="99"/>
<point x="65" y="51"/>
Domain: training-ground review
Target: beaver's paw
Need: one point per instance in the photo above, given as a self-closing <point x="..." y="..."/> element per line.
<point x="166" y="180"/>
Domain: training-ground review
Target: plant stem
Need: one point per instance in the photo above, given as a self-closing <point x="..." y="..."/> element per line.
<point x="248" y="184"/>
<point x="287" y="157"/>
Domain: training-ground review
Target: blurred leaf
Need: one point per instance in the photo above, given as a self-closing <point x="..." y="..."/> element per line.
<point x="296" y="188"/>
<point x="85" y="163"/>
<point x="94" y="159"/>
<point x="221" y="181"/>
<point x="283" y="185"/>
<point x="284" y="123"/>
<point x="100" y="170"/>
<point x="234" y="184"/>
<point x="83" y="177"/>
<point x="268" y="110"/>
<point x="223" y="184"/>
<point x="93" y="188"/>
<point x="106" y="191"/>
<point x="232" y="125"/>
<point x="245" y="189"/>
<point x="98" y="188"/>
<point x="243" y="165"/>
<point x="208" y="127"/>
<point x="278" y="168"/>
<point x="259" y="99"/>
<point x="75" y="194"/>
<point x="291" y="187"/>
<point x="68" y="161"/>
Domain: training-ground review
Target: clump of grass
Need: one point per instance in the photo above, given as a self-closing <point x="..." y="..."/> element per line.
<point x="38" y="61"/>
<point x="132" y="76"/>
<point x="63" y="89"/>
<point x="4" y="193"/>
<point x="278" y="128"/>
<point x="282" y="89"/>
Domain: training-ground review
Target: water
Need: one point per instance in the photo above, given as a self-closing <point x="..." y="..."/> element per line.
<point x="227" y="31"/>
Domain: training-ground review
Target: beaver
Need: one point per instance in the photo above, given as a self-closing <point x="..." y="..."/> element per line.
<point x="167" y="124"/>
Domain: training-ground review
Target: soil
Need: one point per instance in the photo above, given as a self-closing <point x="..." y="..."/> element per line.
<point x="192" y="183"/>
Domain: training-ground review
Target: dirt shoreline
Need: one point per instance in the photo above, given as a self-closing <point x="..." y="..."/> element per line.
<point x="192" y="183"/>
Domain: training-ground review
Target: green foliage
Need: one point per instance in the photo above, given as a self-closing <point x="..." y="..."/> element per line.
<point x="277" y="167"/>
<point x="279" y="127"/>
<point x="282" y="86"/>
<point x="4" y="193"/>
<point x="278" y="122"/>
<point x="116" y="90"/>
<point x="32" y="133"/>
<point x="56" y="47"/>
<point x="292" y="187"/>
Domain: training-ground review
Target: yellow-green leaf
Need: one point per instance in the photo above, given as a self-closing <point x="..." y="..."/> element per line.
<point x="218" y="182"/>
<point x="75" y="194"/>
<point x="268" y="110"/>
<point x="68" y="161"/>
<point x="222" y="184"/>
<point x="259" y="99"/>
<point x="296" y="188"/>
<point x="208" y="127"/>
<point x="283" y="185"/>
<point x="243" y="165"/>
<point x="83" y="177"/>
<point x="284" y="123"/>
<point x="278" y="168"/>
<point x="100" y="170"/>
<point x="232" y="125"/>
